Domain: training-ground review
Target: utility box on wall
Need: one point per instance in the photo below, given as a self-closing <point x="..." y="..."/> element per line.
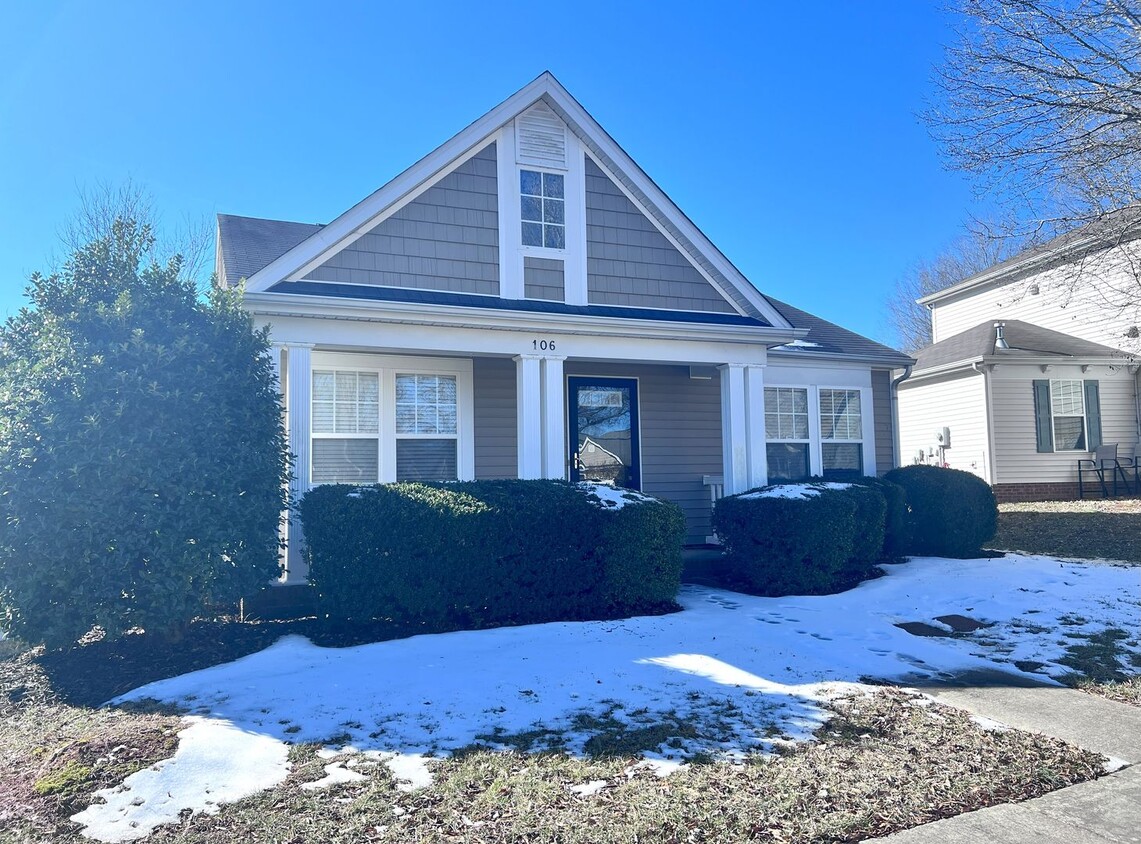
<point x="943" y="437"/>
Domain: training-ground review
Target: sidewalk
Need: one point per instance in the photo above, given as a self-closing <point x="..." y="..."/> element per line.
<point x="1103" y="810"/>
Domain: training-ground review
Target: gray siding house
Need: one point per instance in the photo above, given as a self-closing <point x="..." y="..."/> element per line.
<point x="525" y="302"/>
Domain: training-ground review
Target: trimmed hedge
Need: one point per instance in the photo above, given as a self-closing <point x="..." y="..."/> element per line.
<point x="481" y="553"/>
<point x="951" y="513"/>
<point x="897" y="528"/>
<point x="811" y="545"/>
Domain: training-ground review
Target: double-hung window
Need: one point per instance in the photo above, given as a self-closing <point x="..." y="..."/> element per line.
<point x="1068" y="410"/>
<point x="542" y="209"/>
<point x="841" y="434"/>
<point x="382" y="419"/>
<point x="786" y="433"/>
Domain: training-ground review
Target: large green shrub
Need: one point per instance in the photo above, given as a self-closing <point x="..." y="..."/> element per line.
<point x="141" y="449"/>
<point x="951" y="513"/>
<point x="477" y="553"/>
<point x="812" y="543"/>
<point x="896" y="539"/>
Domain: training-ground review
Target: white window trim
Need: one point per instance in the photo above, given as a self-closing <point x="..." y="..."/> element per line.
<point x="541" y="251"/>
<point x="1084" y="415"/>
<point x="388" y="367"/>
<point x="813" y="456"/>
<point x="816" y="439"/>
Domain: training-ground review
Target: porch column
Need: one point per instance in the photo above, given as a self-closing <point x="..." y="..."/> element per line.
<point x="554" y="416"/>
<point x="743" y="427"/>
<point x="529" y="415"/>
<point x="298" y="384"/>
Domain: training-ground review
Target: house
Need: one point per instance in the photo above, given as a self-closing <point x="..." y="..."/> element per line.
<point x="1027" y="375"/>
<point x="525" y="291"/>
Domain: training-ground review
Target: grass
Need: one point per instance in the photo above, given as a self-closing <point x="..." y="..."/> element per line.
<point x="884" y="761"/>
<point x="1108" y="529"/>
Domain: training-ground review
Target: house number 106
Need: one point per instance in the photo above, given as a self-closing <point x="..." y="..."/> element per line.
<point x="543" y="345"/>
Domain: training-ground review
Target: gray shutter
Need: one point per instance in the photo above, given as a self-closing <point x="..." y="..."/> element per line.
<point x="1043" y="427"/>
<point x="1093" y="414"/>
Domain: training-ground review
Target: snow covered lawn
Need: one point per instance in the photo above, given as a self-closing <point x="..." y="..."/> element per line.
<point x="729" y="675"/>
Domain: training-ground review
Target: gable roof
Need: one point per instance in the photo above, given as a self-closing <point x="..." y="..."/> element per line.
<point x="248" y="244"/>
<point x="825" y="339"/>
<point x="368" y="212"/>
<point x="1026" y="340"/>
<point x="1113" y="229"/>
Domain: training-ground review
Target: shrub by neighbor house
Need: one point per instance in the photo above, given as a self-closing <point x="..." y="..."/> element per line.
<point x="809" y="538"/>
<point x="141" y="449"/>
<point x="896" y="533"/>
<point x="951" y="513"/>
<point x="478" y="553"/>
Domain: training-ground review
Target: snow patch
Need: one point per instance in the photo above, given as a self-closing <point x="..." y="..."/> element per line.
<point x="216" y="762"/>
<point x="797" y="491"/>
<point x="612" y="498"/>
<point x="335" y="774"/>
<point x="588" y="789"/>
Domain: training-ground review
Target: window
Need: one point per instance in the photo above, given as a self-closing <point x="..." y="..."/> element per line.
<point x="373" y="420"/>
<point x="346" y="427"/>
<point x="841" y="434"/>
<point x="1067" y="408"/>
<point x="542" y="206"/>
<point x="786" y="432"/>
<point x="426" y="428"/>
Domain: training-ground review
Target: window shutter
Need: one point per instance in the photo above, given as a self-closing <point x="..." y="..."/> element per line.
<point x="1043" y="428"/>
<point x="1093" y="414"/>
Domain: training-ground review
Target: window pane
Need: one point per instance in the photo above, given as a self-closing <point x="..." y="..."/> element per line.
<point x="426" y="420"/>
<point x="1069" y="433"/>
<point x="840" y="415"/>
<point x="368" y="418"/>
<point x="322" y="386"/>
<point x="553" y="185"/>
<point x="345" y="461"/>
<point x="553" y="211"/>
<point x="800" y="426"/>
<point x="532" y="234"/>
<point x="787" y="461"/>
<point x="531" y="208"/>
<point x="323" y="417"/>
<point x="369" y="385"/>
<point x="346" y="418"/>
<point x="553" y="237"/>
<point x="772" y="424"/>
<point x="406" y="418"/>
<point x="530" y="182"/>
<point x="842" y="461"/>
<point x="1066" y="398"/>
<point x="426" y="460"/>
<point x="346" y="386"/>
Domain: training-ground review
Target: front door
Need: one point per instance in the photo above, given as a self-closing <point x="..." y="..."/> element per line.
<point x="604" y="430"/>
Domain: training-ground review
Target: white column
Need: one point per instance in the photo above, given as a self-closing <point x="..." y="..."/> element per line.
<point x="734" y="443"/>
<point x="529" y="416"/>
<point x="743" y="427"/>
<point x="299" y="378"/>
<point x="554" y="415"/>
<point x="758" y="463"/>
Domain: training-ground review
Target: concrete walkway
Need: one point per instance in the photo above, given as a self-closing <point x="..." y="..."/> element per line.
<point x="1103" y="810"/>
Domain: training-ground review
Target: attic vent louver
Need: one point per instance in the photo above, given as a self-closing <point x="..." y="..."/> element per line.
<point x="541" y="138"/>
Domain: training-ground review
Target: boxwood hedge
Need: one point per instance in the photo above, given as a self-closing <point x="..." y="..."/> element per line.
<point x="951" y="513"/>
<point x="481" y="553"/>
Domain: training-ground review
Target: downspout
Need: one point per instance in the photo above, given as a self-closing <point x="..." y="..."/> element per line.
<point x="988" y="411"/>
<point x="892" y="390"/>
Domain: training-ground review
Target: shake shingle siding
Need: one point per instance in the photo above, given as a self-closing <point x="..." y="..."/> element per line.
<point x="446" y="239"/>
<point x="543" y="278"/>
<point x="630" y="262"/>
<point x="885" y="431"/>
<point x="495" y="439"/>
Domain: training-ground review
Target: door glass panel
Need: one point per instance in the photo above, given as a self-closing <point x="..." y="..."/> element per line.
<point x="605" y="441"/>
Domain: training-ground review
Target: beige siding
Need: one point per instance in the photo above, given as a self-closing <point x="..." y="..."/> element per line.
<point x="957" y="402"/>
<point x="1012" y="401"/>
<point x="1095" y="302"/>
<point x="680" y="435"/>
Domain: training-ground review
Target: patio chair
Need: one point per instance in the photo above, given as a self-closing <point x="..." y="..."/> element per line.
<point x="1105" y="462"/>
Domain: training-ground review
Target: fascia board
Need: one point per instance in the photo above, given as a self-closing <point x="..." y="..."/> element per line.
<point x="883" y="362"/>
<point x="321" y="307"/>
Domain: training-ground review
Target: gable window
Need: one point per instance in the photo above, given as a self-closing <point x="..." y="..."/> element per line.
<point x="1067" y="409"/>
<point x="542" y="207"/>
<point x="786" y="433"/>
<point x="841" y="434"/>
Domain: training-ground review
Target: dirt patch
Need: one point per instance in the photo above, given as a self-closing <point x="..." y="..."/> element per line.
<point x="1091" y="529"/>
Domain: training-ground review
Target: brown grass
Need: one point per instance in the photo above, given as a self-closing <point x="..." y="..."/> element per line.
<point x="1108" y="529"/>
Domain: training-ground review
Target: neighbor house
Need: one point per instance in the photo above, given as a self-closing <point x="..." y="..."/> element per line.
<point x="1026" y="375"/>
<point x="525" y="302"/>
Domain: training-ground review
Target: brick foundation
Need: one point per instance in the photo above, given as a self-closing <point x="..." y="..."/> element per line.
<point x="1005" y="493"/>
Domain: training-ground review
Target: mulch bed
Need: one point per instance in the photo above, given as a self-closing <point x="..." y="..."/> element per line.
<point x="1108" y="529"/>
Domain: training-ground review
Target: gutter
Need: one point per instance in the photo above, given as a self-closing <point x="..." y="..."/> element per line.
<point x="893" y="392"/>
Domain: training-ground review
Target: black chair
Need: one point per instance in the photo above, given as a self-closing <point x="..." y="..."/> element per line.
<point x="1107" y="467"/>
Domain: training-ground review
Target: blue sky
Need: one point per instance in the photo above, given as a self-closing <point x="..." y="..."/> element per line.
<point x="787" y="132"/>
